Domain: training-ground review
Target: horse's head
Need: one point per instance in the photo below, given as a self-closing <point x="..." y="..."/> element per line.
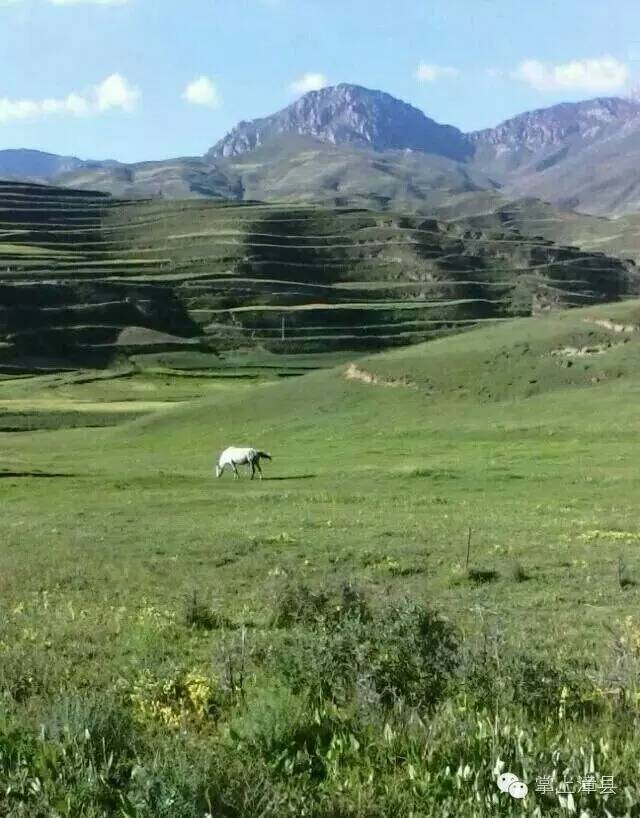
<point x="218" y="471"/>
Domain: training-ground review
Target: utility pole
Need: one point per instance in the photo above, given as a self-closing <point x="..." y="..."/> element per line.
<point x="282" y="333"/>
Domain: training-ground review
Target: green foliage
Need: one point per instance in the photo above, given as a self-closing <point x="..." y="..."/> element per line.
<point x="405" y="653"/>
<point x="297" y="604"/>
<point x="482" y="575"/>
<point x="171" y="746"/>
<point x="201" y="616"/>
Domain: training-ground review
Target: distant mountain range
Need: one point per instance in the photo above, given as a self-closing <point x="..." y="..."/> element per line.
<point x="351" y="145"/>
<point x="20" y="163"/>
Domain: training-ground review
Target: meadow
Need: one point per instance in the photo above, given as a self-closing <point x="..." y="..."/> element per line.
<point x="437" y="581"/>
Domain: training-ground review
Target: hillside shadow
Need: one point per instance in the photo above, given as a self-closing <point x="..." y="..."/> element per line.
<point x="33" y="474"/>
<point x="293" y="477"/>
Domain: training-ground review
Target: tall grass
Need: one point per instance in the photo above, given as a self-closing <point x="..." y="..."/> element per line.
<point x="339" y="708"/>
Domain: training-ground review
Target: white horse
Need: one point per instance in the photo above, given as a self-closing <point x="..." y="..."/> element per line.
<point x="234" y="457"/>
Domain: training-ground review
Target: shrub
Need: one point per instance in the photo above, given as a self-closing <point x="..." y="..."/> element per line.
<point x="296" y="604"/>
<point x="202" y="617"/>
<point x="415" y="657"/>
<point x="293" y="738"/>
<point x="353" y="604"/>
<point x="541" y="687"/>
<point x="407" y="653"/>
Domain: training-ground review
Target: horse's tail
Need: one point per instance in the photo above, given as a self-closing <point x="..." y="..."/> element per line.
<point x="265" y="455"/>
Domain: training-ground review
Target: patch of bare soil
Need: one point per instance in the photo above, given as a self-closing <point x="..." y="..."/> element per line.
<point x="354" y="373"/>
<point x="581" y="352"/>
<point x="611" y="325"/>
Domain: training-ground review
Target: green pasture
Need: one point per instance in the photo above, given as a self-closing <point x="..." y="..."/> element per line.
<point x="492" y="476"/>
<point x="490" y="431"/>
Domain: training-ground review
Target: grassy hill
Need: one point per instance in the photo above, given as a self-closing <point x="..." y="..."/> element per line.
<point x="619" y="237"/>
<point x="297" y="170"/>
<point x="87" y="279"/>
<point x="271" y="647"/>
<point x="302" y="170"/>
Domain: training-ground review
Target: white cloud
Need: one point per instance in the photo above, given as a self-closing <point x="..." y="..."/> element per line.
<point x="114" y="93"/>
<point x="427" y="72"/>
<point x="309" y="82"/>
<point x="203" y="91"/>
<point x="599" y="74"/>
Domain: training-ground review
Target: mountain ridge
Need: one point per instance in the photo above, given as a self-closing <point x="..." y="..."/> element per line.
<point x="28" y="162"/>
<point x="581" y="156"/>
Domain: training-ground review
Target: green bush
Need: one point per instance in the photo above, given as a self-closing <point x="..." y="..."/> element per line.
<point x="539" y="686"/>
<point x="416" y="656"/>
<point x="405" y="654"/>
<point x="296" y="604"/>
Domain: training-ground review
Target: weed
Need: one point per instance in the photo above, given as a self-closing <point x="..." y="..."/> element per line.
<point x="170" y="701"/>
<point x="518" y="573"/>
<point x="480" y="576"/>
<point x="201" y="617"/>
<point x="297" y="604"/>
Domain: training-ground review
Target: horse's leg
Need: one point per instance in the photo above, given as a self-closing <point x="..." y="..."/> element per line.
<point x="253" y="469"/>
<point x="235" y="470"/>
<point x="259" y="468"/>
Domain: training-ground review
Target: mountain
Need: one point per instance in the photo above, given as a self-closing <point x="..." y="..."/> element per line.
<point x="583" y="155"/>
<point x="349" y="115"/>
<point x="37" y="165"/>
<point x="304" y="169"/>
<point x="568" y="125"/>
<point x="182" y="178"/>
<point x="347" y="145"/>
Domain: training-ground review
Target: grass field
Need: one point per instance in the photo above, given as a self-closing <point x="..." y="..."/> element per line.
<point x="176" y="645"/>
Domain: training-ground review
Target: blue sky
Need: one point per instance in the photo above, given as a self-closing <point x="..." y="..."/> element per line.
<point x="146" y="79"/>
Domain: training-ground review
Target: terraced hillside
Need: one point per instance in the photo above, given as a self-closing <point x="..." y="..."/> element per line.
<point x="86" y="278"/>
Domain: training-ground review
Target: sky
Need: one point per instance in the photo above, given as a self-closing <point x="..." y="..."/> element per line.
<point x="150" y="79"/>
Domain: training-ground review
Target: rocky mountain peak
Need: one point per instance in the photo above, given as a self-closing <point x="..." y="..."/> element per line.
<point x="349" y="114"/>
<point x="554" y="126"/>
